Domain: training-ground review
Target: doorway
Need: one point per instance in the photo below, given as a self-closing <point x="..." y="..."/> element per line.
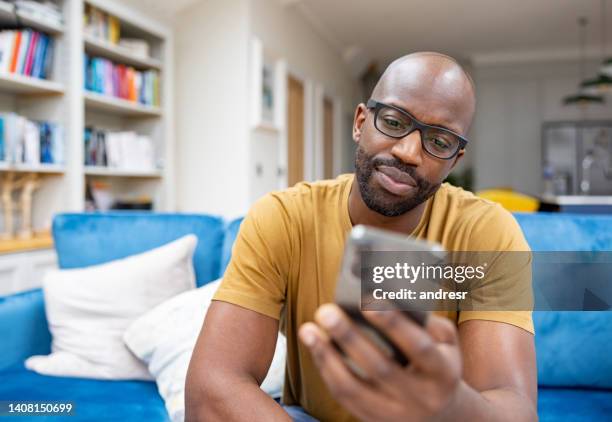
<point x="295" y="131"/>
<point x="328" y="138"/>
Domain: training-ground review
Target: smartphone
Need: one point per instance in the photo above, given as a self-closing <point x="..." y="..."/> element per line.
<point x="349" y="288"/>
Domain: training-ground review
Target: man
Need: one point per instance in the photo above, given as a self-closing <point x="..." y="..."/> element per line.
<point x="466" y="366"/>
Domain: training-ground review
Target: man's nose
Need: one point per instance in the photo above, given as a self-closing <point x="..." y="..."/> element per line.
<point x="409" y="149"/>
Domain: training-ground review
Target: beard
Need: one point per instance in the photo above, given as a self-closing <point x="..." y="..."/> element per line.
<point x="379" y="200"/>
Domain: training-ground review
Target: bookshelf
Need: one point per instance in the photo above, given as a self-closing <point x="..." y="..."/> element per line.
<point x="113" y="172"/>
<point x="62" y="98"/>
<point x="118" y="106"/>
<point x="9" y="16"/>
<point x="20" y="84"/>
<point x="32" y="168"/>
<point x="102" y="48"/>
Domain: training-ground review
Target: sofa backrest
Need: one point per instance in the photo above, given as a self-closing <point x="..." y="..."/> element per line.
<point x="84" y="239"/>
<point x="231" y="231"/>
<point x="571" y="347"/>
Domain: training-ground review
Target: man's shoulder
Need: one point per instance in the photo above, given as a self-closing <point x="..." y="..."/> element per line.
<point x="304" y="195"/>
<point x="487" y="223"/>
<point x="464" y="203"/>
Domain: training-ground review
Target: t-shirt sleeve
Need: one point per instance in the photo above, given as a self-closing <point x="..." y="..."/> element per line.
<point x="508" y="280"/>
<point x="256" y="277"/>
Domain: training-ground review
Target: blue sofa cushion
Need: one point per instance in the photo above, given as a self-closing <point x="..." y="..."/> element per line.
<point x="231" y="231"/>
<point x="574" y="405"/>
<point x="570" y="345"/>
<point x="94" y="400"/>
<point x="23" y="328"/>
<point x="94" y="238"/>
<point x="566" y="232"/>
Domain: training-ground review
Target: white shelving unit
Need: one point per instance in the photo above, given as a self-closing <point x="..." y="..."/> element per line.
<point x="63" y="99"/>
<point x="21" y="84"/>
<point x="118" y="53"/>
<point x="27" y="168"/>
<point x="119" y="106"/>
<point x="8" y="14"/>
<point x="114" y="172"/>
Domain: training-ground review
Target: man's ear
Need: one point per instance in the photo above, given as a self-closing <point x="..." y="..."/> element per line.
<point x="359" y="119"/>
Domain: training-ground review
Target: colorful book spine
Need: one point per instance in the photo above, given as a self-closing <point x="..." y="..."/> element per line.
<point x="103" y="76"/>
<point x="26" y="52"/>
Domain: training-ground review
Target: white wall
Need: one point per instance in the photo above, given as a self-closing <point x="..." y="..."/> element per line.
<point x="513" y="102"/>
<point x="211" y="107"/>
<point x="222" y="164"/>
<point x="286" y="34"/>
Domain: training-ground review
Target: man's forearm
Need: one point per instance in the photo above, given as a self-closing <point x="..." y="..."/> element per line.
<point x="231" y="401"/>
<point x="497" y="405"/>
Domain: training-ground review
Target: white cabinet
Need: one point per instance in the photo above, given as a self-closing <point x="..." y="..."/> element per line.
<point x="25" y="270"/>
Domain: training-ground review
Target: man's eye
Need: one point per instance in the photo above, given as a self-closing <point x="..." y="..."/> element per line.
<point x="392" y="123"/>
<point x="441" y="143"/>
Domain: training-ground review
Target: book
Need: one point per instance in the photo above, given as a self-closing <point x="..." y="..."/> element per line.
<point x="103" y="76"/>
<point x="7" y="39"/>
<point x="25" y="141"/>
<point x="26" y="52"/>
<point x="27" y="67"/>
<point x="26" y="36"/>
<point x="101" y="25"/>
<point x="48" y="60"/>
<point x="138" y="47"/>
<point x="122" y="150"/>
<point x="16" y="46"/>
<point x="39" y="56"/>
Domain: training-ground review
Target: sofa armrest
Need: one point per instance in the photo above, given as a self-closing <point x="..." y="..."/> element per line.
<point x="23" y="327"/>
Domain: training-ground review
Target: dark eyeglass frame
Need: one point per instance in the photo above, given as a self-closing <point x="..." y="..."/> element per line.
<point x="416" y="125"/>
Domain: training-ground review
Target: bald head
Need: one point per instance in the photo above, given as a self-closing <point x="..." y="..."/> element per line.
<point x="433" y="86"/>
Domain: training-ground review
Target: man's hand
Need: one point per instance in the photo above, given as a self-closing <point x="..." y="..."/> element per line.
<point x="431" y="387"/>
<point x="387" y="391"/>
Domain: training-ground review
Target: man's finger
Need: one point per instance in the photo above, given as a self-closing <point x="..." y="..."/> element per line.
<point x="442" y="330"/>
<point x="372" y="363"/>
<point x="414" y="341"/>
<point x="354" y="394"/>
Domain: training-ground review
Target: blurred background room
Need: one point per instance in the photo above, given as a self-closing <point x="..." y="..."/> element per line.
<point x="136" y="134"/>
<point x="202" y="106"/>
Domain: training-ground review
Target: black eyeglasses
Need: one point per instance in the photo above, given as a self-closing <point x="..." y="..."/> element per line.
<point x="397" y="123"/>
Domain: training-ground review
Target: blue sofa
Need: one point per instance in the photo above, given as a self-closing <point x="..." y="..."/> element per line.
<point x="574" y="362"/>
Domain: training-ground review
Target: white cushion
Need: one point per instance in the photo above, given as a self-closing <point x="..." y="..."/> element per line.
<point x="164" y="339"/>
<point x="89" y="309"/>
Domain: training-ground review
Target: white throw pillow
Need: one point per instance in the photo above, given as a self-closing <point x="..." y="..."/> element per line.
<point x="164" y="339"/>
<point x="89" y="309"/>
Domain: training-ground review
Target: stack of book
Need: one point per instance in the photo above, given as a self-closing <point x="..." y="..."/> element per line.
<point x="101" y="25"/>
<point x="26" y="52"/>
<point x="119" y="150"/>
<point x="117" y="80"/>
<point x="46" y="11"/>
<point x="24" y="141"/>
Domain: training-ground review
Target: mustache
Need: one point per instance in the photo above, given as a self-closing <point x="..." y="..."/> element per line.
<point x="398" y="164"/>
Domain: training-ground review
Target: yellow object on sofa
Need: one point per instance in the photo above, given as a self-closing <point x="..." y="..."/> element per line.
<point x="510" y="200"/>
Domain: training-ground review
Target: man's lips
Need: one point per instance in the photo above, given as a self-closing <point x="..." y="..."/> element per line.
<point x="394" y="181"/>
<point x="397" y="175"/>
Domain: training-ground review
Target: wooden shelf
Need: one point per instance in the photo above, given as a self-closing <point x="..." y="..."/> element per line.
<point x="119" y="106"/>
<point x="20" y="84"/>
<point x="114" y="172"/>
<point x="32" y="168"/>
<point x="117" y="53"/>
<point x="7" y="17"/>
<point x="43" y="241"/>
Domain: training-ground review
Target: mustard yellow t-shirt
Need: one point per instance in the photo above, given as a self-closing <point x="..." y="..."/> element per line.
<point x="288" y="252"/>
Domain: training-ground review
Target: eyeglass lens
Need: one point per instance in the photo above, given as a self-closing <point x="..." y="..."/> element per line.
<point x="395" y="124"/>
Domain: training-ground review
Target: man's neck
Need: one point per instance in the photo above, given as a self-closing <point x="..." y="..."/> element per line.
<point x="359" y="213"/>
